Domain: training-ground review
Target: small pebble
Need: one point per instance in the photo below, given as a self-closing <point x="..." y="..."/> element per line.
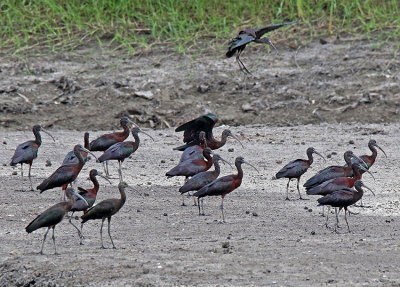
<point x="48" y="163"/>
<point x="255" y="214"/>
<point x="165" y="214"/>
<point x="231" y="150"/>
<point x="162" y="161"/>
<point x="4" y="142"/>
<point x="312" y="232"/>
<point x="247" y="212"/>
<point x="351" y="142"/>
<point x="14" y="173"/>
<point x="225" y="245"/>
<point x="309" y="210"/>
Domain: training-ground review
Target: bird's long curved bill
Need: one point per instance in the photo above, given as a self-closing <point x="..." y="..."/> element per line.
<point x="366" y="170"/>
<point x="43" y="130"/>
<point x="146" y="134"/>
<point x="88" y="151"/>
<point x="363" y="185"/>
<point x="246" y="162"/>
<point x="80" y="197"/>
<point x="381" y="149"/>
<point x="236" y="138"/>
<point x="363" y="162"/>
<point x="320" y="155"/>
<point x="104" y="177"/>
<point x="225" y="161"/>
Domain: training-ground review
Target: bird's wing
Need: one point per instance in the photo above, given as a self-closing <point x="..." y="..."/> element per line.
<point x="49" y="217"/>
<point x="194" y="127"/>
<point x="343" y="197"/>
<point x="62" y="175"/>
<point x="70" y="158"/>
<point x="261" y="31"/>
<point x="103" y="209"/>
<point x="102" y="143"/>
<point x="24" y="152"/>
<point x="217" y="187"/>
<point x="116" y="151"/>
<point x="239" y="41"/>
<point x="294" y="168"/>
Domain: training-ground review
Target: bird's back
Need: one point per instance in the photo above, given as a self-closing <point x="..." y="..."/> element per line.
<point x="103" y="209"/>
<point x="24" y="152"/>
<point x="220" y="186"/>
<point x="63" y="175"/>
<point x="293" y="169"/>
<point x="338" y="198"/>
<point x="49" y="217"/>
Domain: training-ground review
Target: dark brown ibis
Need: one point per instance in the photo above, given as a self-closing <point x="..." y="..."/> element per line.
<point x="105" y="141"/>
<point x="191" y="167"/>
<point x="28" y="151"/>
<point x="296" y="168"/>
<point x="333" y="184"/>
<point x="66" y="173"/>
<point x="203" y="178"/>
<point x="206" y="124"/>
<point x="238" y="44"/>
<point x="369" y="160"/>
<point x="195" y="151"/>
<point x="70" y="158"/>
<point x="343" y="198"/>
<point x="89" y="197"/>
<point x="106" y="209"/>
<point x="332" y="171"/>
<point x="223" y="185"/>
<point x="121" y="150"/>
<point x="51" y="217"/>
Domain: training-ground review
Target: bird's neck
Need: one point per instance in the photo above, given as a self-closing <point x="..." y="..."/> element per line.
<point x="216" y="144"/>
<point x="79" y="156"/>
<point x="239" y="170"/>
<point x="347" y="159"/>
<point x="217" y="167"/>
<point x="374" y="151"/>
<point x="357" y="175"/>
<point x="38" y="137"/>
<point x="137" y="141"/>
<point x="86" y="141"/>
<point x="95" y="184"/>
<point x="123" y="196"/>
<point x="358" y="194"/>
<point x="310" y="158"/>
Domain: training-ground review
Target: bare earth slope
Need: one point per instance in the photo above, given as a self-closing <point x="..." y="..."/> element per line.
<point x="265" y="241"/>
<point x="344" y="80"/>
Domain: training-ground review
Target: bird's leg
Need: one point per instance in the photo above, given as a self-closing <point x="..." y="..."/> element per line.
<point x="54" y="240"/>
<point x="44" y="239"/>
<point x="241" y="65"/>
<point x="81" y="243"/>
<point x="345" y="218"/>
<point x="351" y="212"/>
<point x="109" y="232"/>
<point x="183" y="200"/>
<point x="337" y="219"/>
<point x="323" y="209"/>
<point x="108" y="172"/>
<point x="326" y="222"/>
<point x="22" y="170"/>
<point x="101" y="233"/>
<point x="120" y="171"/>
<point x="298" y="189"/>
<point x="202" y="206"/>
<point x="76" y="227"/>
<point x="198" y="204"/>
<point x="222" y="210"/>
<point x="194" y="201"/>
<point x="29" y="175"/>
<point x="287" y="190"/>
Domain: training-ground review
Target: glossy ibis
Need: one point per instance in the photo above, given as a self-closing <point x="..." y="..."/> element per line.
<point x="191" y="167"/>
<point x="106" y="209"/>
<point x="369" y="160"/>
<point x="89" y="195"/>
<point x="223" y="185"/>
<point x="70" y="158"/>
<point x="121" y="150"/>
<point x="66" y="173"/>
<point x="296" y="168"/>
<point x="203" y="178"/>
<point x="333" y="184"/>
<point x="332" y="171"/>
<point x="238" y="44"/>
<point x="204" y="123"/>
<point x="343" y="198"/>
<point x="105" y="141"/>
<point x="51" y="217"/>
<point x="28" y="151"/>
<point x="195" y="151"/>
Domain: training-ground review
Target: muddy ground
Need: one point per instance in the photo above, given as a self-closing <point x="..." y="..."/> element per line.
<point x="266" y="240"/>
<point x="334" y="97"/>
<point x="344" y="80"/>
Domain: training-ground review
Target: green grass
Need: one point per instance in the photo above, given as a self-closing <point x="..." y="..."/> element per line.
<point x="137" y="24"/>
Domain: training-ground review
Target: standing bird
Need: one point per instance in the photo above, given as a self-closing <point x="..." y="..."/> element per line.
<point x="28" y="151"/>
<point x="369" y="160"/>
<point x="106" y="209"/>
<point x="203" y="123"/>
<point x="296" y="168"/>
<point x="333" y="171"/>
<point x="203" y="178"/>
<point x="120" y="151"/>
<point x="238" y="44"/>
<point x="51" y="217"/>
<point x="195" y="151"/>
<point x="223" y="185"/>
<point x="343" y="198"/>
<point x="89" y="197"/>
<point x="191" y="167"/>
<point x="71" y="158"/>
<point x="105" y="141"/>
<point x="66" y="173"/>
<point x="333" y="184"/>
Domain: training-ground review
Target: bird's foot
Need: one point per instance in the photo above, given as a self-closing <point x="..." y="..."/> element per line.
<point x="353" y="213"/>
<point x="56" y="253"/>
<point x="301" y="198"/>
<point x="287" y="198"/>
<point x="183" y="204"/>
<point x="103" y="247"/>
<point x="114" y="247"/>
<point x="194" y="204"/>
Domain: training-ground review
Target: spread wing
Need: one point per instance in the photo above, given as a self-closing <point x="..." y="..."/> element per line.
<point x="240" y="41"/>
<point x="261" y="31"/>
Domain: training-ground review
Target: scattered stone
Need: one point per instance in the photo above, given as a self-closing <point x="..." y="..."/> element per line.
<point x="225" y="244"/>
<point x="4" y="142"/>
<point x="278" y="161"/>
<point x="14" y="173"/>
<point x="48" y="163"/>
<point x="247" y="212"/>
<point x="312" y="232"/>
<point x="255" y="214"/>
<point x="203" y="88"/>
<point x="148" y="95"/>
<point x="351" y="142"/>
<point x="309" y="210"/>
<point x="162" y="161"/>
<point x="165" y="214"/>
<point x="231" y="149"/>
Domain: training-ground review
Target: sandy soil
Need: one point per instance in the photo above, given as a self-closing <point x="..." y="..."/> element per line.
<point x="266" y="240"/>
<point x="344" y="80"/>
